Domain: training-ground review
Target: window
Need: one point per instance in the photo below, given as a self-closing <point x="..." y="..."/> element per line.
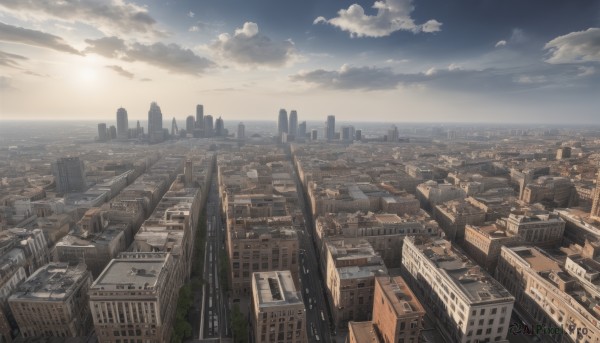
<point x="494" y="310"/>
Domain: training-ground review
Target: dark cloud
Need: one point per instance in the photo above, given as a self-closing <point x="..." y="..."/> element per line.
<point x="109" y="16"/>
<point x="9" y="33"/>
<point x="11" y="60"/>
<point x="575" y="47"/>
<point x="121" y="71"/>
<point x="450" y="79"/>
<point x="171" y="57"/>
<point x="391" y="16"/>
<point x="249" y="47"/>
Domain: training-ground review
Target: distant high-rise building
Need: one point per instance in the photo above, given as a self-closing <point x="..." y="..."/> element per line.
<point x="393" y="134"/>
<point x="347" y="133"/>
<point x="188" y="173"/>
<point x="302" y="130"/>
<point x="69" y="175"/>
<point x="330" y="128"/>
<point x="219" y="127"/>
<point x="139" y="129"/>
<point x="102" y="133"/>
<point x="314" y="135"/>
<point x="189" y="124"/>
<point x="199" y="116"/>
<point x="596" y="201"/>
<point x="174" y="128"/>
<point x="282" y="124"/>
<point x="293" y="123"/>
<point x="155" y="120"/>
<point x="358" y="135"/>
<point x="241" y="131"/>
<point x="208" y="126"/>
<point x="122" y="123"/>
<point x="112" y="132"/>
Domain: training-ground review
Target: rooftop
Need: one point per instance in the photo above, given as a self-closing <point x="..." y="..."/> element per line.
<point x="364" y="332"/>
<point x="52" y="282"/>
<point x="132" y="273"/>
<point x="399" y="295"/>
<point x="275" y="288"/>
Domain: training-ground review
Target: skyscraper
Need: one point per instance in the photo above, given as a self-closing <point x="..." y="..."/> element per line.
<point x="174" y="128"/>
<point x="393" y="134"/>
<point x="102" y="133"/>
<point x="330" y="128"/>
<point x="155" y="121"/>
<point x="69" y="175"/>
<point x="199" y="116"/>
<point x="293" y="123"/>
<point x="208" y="126"/>
<point x="302" y="130"/>
<point x="189" y="124"/>
<point x="282" y="124"/>
<point x="155" y="124"/>
<point x="219" y="127"/>
<point x="241" y="132"/>
<point x="596" y="201"/>
<point x="122" y="123"/>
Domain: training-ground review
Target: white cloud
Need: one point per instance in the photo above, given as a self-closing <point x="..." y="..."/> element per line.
<point x="194" y="29"/>
<point x="171" y="57"/>
<point x="249" y="47"/>
<point x="586" y="71"/>
<point x="391" y="16"/>
<point x="575" y="47"/>
<point x="531" y="79"/>
<point x="9" y="33"/>
<point x="119" y="70"/>
<point x="108" y="16"/>
<point x="500" y="43"/>
<point x="191" y="14"/>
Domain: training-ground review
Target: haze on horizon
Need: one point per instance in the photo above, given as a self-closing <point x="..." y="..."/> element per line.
<point x="390" y="60"/>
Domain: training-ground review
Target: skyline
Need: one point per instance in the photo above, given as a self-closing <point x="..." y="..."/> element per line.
<point x="389" y="61"/>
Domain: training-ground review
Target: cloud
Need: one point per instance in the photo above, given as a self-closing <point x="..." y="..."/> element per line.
<point x="500" y="43"/>
<point x="194" y="29"/>
<point x="451" y="78"/>
<point x="586" y="71"/>
<point x="249" y="47"/>
<point x="391" y="16"/>
<point x="191" y="14"/>
<point x="108" y="16"/>
<point x="5" y="83"/>
<point x="575" y="47"/>
<point x="9" y="33"/>
<point x="11" y="60"/>
<point x="170" y="57"/>
<point x="121" y="71"/>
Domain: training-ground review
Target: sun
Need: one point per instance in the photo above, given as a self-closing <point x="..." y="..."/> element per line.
<point x="88" y="75"/>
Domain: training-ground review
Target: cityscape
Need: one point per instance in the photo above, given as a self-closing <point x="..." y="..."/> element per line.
<point x="392" y="171"/>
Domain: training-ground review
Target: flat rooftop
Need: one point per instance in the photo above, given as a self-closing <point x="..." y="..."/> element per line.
<point x="52" y="282"/>
<point x="364" y="332"/>
<point x="399" y="295"/>
<point x="476" y="284"/>
<point x="275" y="288"/>
<point x="132" y="273"/>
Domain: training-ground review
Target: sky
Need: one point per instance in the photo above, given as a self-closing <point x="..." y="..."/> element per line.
<point x="509" y="61"/>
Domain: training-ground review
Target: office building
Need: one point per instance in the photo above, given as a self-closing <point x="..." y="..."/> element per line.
<point x="220" y="128"/>
<point x="69" y="175"/>
<point x="135" y="299"/>
<point x="595" y="214"/>
<point x="358" y="135"/>
<point x="199" y="116"/>
<point x="314" y="134"/>
<point x="102" y="132"/>
<point x="241" y="131"/>
<point x="122" y="124"/>
<point x="392" y="135"/>
<point x="468" y="303"/>
<point x="208" y="126"/>
<point x="540" y="228"/>
<point x="112" y="132"/>
<point x="554" y="290"/>
<point x="155" y="124"/>
<point x="189" y="124"/>
<point x="282" y="123"/>
<point x="278" y="313"/>
<point x="53" y="301"/>
<point x="293" y="123"/>
<point x="330" y="128"/>
<point x="483" y="243"/>
<point x="174" y="128"/>
<point x="302" y="130"/>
